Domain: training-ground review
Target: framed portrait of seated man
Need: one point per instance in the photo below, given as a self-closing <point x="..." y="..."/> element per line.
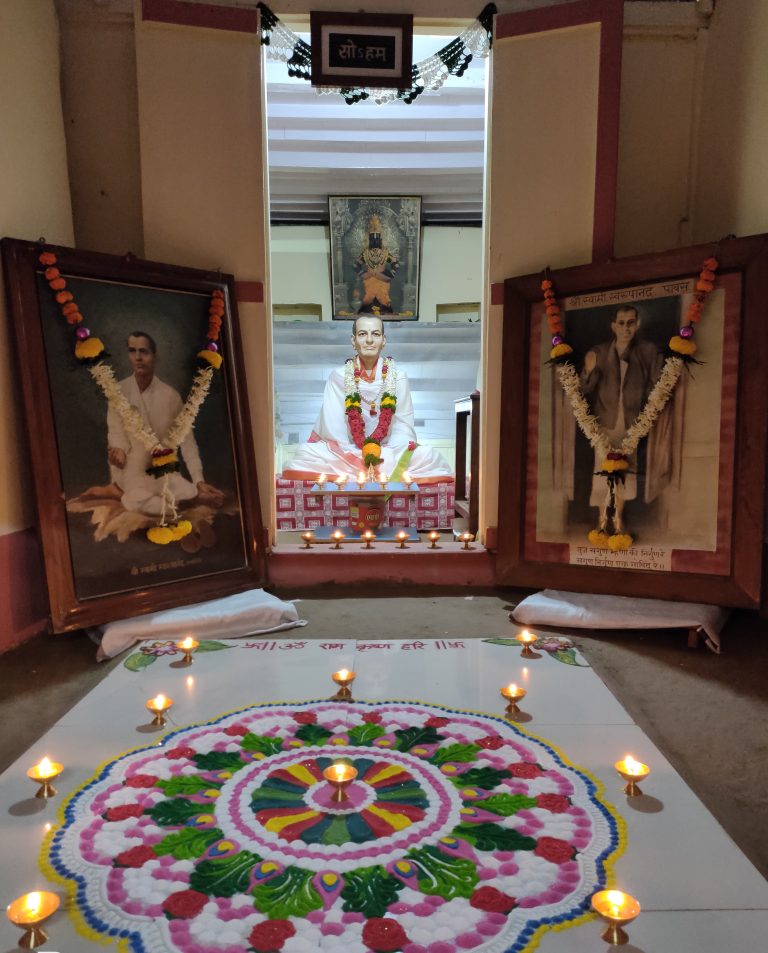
<point x="139" y="443"/>
<point x="632" y="453"/>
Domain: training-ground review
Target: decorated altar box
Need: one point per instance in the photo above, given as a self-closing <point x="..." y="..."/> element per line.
<point x="299" y="508"/>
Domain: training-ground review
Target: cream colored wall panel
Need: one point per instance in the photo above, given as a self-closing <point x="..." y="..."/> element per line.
<point x="543" y="149"/>
<point x="201" y="120"/>
<point x="652" y="212"/>
<point x="34" y="199"/>
<point x="201" y="147"/>
<point x="731" y="192"/>
<point x="541" y="186"/>
<point x="101" y="112"/>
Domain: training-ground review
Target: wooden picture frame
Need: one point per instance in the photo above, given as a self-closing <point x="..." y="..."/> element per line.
<point x="698" y="536"/>
<point x="361" y="50"/>
<point x="375" y="252"/>
<point x="99" y="563"/>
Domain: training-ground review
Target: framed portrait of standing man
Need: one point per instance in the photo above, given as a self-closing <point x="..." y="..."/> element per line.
<point x="140" y="445"/>
<point x="632" y="457"/>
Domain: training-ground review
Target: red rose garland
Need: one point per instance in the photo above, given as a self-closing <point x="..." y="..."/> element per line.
<point x="371" y="445"/>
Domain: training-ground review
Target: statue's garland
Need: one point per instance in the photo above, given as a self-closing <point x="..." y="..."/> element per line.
<point x="164" y="459"/>
<point x="371" y="445"/>
<point x="429" y="74"/>
<point x="680" y="349"/>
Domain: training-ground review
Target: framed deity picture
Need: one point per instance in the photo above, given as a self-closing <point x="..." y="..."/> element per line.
<point x="139" y="440"/>
<point x="375" y="247"/>
<point x="368" y="50"/>
<point x="633" y="437"/>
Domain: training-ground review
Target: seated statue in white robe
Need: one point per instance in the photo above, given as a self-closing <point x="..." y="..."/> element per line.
<point x="366" y="419"/>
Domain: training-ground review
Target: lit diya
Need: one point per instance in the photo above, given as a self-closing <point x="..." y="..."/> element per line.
<point x="617" y="909"/>
<point x="513" y="694"/>
<point x="159" y="706"/>
<point x="340" y="775"/>
<point x="343" y="678"/>
<point x="29" y="911"/>
<point x="44" y="772"/>
<point x="632" y="771"/>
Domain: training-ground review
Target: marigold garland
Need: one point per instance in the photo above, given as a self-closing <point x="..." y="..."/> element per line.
<point x="680" y="350"/>
<point x="369" y="446"/>
<point x="164" y="459"/>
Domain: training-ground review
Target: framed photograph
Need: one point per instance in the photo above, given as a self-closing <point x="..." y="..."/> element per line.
<point x="139" y="438"/>
<point x="616" y="477"/>
<point x="375" y="247"/>
<point x="373" y="50"/>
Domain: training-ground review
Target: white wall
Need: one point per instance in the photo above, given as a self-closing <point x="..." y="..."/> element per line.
<point x="34" y="201"/>
<point x="730" y="187"/>
<point x="451" y="267"/>
<point x="693" y="148"/>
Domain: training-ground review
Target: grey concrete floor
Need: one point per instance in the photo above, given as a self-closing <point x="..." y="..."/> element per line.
<point x="708" y="714"/>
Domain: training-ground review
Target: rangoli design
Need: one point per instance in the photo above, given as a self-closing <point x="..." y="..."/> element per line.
<point x="460" y="832"/>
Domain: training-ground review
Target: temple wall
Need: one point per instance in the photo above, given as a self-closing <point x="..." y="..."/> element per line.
<point x="450" y="267"/>
<point x="34" y="201"/>
<point x="693" y="149"/>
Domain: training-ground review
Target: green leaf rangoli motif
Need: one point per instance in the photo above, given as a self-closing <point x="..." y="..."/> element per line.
<point x="185" y="784"/>
<point x="443" y="876"/>
<point x="486" y="778"/>
<point x="139" y="661"/>
<point x="187" y="843"/>
<point x="219" y="761"/>
<point x="365" y="734"/>
<point x="175" y="812"/>
<point x="505" y="804"/>
<point x="370" y="891"/>
<point x="289" y="895"/>
<point x="262" y="743"/>
<point x="567" y="657"/>
<point x="461" y="753"/>
<point x="208" y="645"/>
<point x="493" y="837"/>
<point x="225" y="876"/>
<point x="313" y="734"/>
<point x="408" y="737"/>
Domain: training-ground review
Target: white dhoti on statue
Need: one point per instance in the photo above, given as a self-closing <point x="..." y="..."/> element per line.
<point x="331" y="449"/>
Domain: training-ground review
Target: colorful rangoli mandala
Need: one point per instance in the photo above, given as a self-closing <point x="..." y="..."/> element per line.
<point x="459" y="833"/>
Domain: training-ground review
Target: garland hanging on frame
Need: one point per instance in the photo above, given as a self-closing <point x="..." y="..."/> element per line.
<point x="164" y="459"/>
<point x="429" y="74"/>
<point x="616" y="459"/>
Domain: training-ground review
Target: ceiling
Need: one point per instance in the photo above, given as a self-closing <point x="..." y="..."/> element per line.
<point x="320" y="146"/>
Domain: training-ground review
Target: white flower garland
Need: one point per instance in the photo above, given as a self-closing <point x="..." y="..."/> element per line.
<point x="387" y="383"/>
<point x="136" y="427"/>
<point x="640" y="428"/>
<point x="134" y="422"/>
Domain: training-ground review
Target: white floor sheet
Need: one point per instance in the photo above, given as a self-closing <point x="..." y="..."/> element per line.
<point x="698" y="892"/>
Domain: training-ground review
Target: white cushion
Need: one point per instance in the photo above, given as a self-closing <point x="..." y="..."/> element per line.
<point x="580" y="610"/>
<point x="246" y="613"/>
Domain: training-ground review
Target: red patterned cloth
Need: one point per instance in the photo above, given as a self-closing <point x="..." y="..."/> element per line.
<point x="298" y="508"/>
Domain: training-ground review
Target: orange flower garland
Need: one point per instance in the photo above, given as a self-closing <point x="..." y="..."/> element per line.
<point x="681" y="347"/>
<point x="90" y="350"/>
